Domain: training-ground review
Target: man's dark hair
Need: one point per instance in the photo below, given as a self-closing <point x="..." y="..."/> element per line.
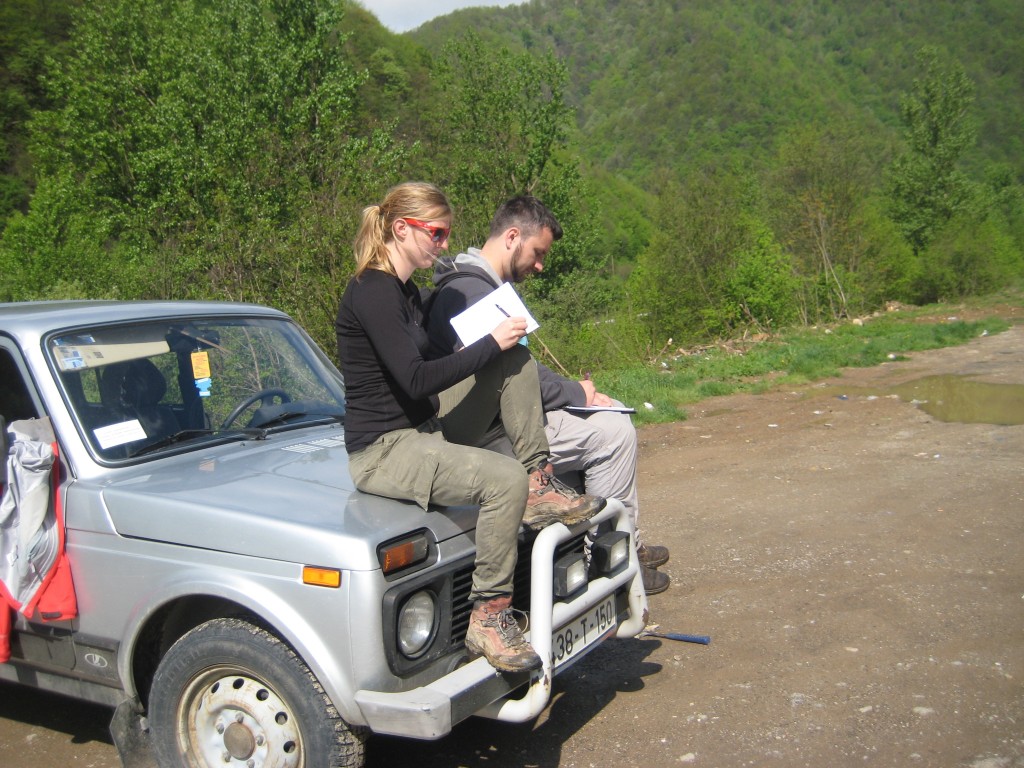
<point x="529" y="214"/>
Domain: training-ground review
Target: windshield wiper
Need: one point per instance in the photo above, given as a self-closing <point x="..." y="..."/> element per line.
<point x="311" y="411"/>
<point x="258" y="432"/>
<point x="187" y="434"/>
<point x="310" y="418"/>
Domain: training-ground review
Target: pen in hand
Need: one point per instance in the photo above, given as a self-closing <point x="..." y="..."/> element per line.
<point x="506" y="314"/>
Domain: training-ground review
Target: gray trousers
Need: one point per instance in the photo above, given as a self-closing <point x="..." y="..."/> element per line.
<point x="435" y="463"/>
<point x="603" y="448"/>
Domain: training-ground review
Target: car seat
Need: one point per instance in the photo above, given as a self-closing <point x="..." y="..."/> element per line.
<point x="133" y="390"/>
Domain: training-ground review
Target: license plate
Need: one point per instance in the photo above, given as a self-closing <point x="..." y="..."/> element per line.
<point x="583" y="631"/>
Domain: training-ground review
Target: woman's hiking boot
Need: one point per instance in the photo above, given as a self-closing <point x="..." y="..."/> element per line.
<point x="495" y="634"/>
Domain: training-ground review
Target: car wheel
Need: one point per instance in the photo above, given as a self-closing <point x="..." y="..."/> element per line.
<point x="230" y="693"/>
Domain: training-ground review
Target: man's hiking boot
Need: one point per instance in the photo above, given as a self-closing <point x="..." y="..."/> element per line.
<point x="552" y="501"/>
<point x="652" y="555"/>
<point x="494" y="633"/>
<point x="654" y="581"/>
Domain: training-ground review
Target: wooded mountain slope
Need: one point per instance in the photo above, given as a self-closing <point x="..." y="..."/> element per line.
<point x="677" y="84"/>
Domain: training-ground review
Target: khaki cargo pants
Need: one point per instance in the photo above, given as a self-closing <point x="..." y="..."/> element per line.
<point x="435" y="463"/>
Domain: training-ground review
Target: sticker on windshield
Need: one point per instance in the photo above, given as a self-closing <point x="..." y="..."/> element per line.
<point x="69" y="358"/>
<point x="75" y="357"/>
<point x="203" y="385"/>
<point x="114" y="435"/>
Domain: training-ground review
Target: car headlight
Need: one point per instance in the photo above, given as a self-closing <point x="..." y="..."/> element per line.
<point x="416" y="623"/>
<point x="570" y="574"/>
<point x="610" y="552"/>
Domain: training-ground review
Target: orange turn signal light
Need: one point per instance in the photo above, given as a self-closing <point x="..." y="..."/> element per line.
<point x="321" y="577"/>
<point x="402" y="554"/>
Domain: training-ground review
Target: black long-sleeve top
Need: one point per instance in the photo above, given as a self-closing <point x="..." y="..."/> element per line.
<point x="382" y="347"/>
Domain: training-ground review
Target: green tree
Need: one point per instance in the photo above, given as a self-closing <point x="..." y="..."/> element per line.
<point x="762" y="290"/>
<point x="890" y="269"/>
<point x="971" y="255"/>
<point x="681" y="283"/>
<point x="926" y="187"/>
<point x="388" y="75"/>
<point x="821" y="180"/>
<point x="500" y="119"/>
<point x="1004" y="198"/>
<point x="199" y="150"/>
<point x="30" y="30"/>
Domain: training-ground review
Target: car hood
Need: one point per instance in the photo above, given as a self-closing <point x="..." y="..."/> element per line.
<point x="284" y="498"/>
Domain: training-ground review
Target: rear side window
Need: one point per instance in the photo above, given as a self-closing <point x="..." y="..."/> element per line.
<point x="15" y="400"/>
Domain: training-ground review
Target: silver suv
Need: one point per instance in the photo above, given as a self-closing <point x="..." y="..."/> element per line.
<point x="239" y="603"/>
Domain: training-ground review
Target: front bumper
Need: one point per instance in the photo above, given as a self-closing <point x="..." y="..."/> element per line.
<point x="430" y="711"/>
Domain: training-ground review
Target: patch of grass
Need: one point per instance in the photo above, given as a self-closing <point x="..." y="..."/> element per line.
<point x="794" y="357"/>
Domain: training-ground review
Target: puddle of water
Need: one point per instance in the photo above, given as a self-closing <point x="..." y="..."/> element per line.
<point x="960" y="399"/>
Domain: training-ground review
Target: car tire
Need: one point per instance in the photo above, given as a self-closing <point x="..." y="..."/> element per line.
<point x="230" y="693"/>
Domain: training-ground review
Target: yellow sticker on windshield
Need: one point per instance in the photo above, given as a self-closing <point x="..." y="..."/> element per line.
<point x="201" y="365"/>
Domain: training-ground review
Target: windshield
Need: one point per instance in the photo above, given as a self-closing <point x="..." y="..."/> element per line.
<point x="149" y="387"/>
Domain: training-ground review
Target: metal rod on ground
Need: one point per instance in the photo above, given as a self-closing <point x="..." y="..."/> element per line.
<point x="702" y="639"/>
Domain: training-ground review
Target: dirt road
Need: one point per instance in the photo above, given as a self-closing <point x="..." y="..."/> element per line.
<point x="857" y="563"/>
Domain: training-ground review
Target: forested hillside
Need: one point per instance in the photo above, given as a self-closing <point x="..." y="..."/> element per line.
<point x="718" y="165"/>
<point x="684" y="83"/>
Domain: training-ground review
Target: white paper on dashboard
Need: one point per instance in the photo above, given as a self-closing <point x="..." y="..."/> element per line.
<point x="484" y="316"/>
<point x="118" y="434"/>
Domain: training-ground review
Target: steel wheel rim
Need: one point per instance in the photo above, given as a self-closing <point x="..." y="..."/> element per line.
<point x="232" y="718"/>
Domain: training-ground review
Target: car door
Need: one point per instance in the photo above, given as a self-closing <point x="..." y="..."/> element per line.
<point x="39" y="644"/>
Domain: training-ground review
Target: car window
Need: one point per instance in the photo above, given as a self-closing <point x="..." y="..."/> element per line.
<point x="169" y="385"/>
<point x="15" y="399"/>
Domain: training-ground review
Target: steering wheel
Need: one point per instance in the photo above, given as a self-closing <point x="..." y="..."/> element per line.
<point x="263" y="394"/>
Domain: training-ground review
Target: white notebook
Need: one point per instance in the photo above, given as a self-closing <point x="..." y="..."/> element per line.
<point x="484" y="316"/>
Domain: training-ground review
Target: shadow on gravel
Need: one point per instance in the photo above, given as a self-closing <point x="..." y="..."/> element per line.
<point x="82" y="722"/>
<point x="580" y="693"/>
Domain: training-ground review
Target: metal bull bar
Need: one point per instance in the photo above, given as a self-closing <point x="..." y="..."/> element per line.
<point x="476" y="688"/>
<point x="546" y="615"/>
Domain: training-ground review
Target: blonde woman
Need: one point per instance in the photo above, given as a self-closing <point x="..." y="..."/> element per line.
<point x="400" y="407"/>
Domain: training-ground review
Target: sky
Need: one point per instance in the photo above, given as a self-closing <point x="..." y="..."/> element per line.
<point x="403" y="15"/>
